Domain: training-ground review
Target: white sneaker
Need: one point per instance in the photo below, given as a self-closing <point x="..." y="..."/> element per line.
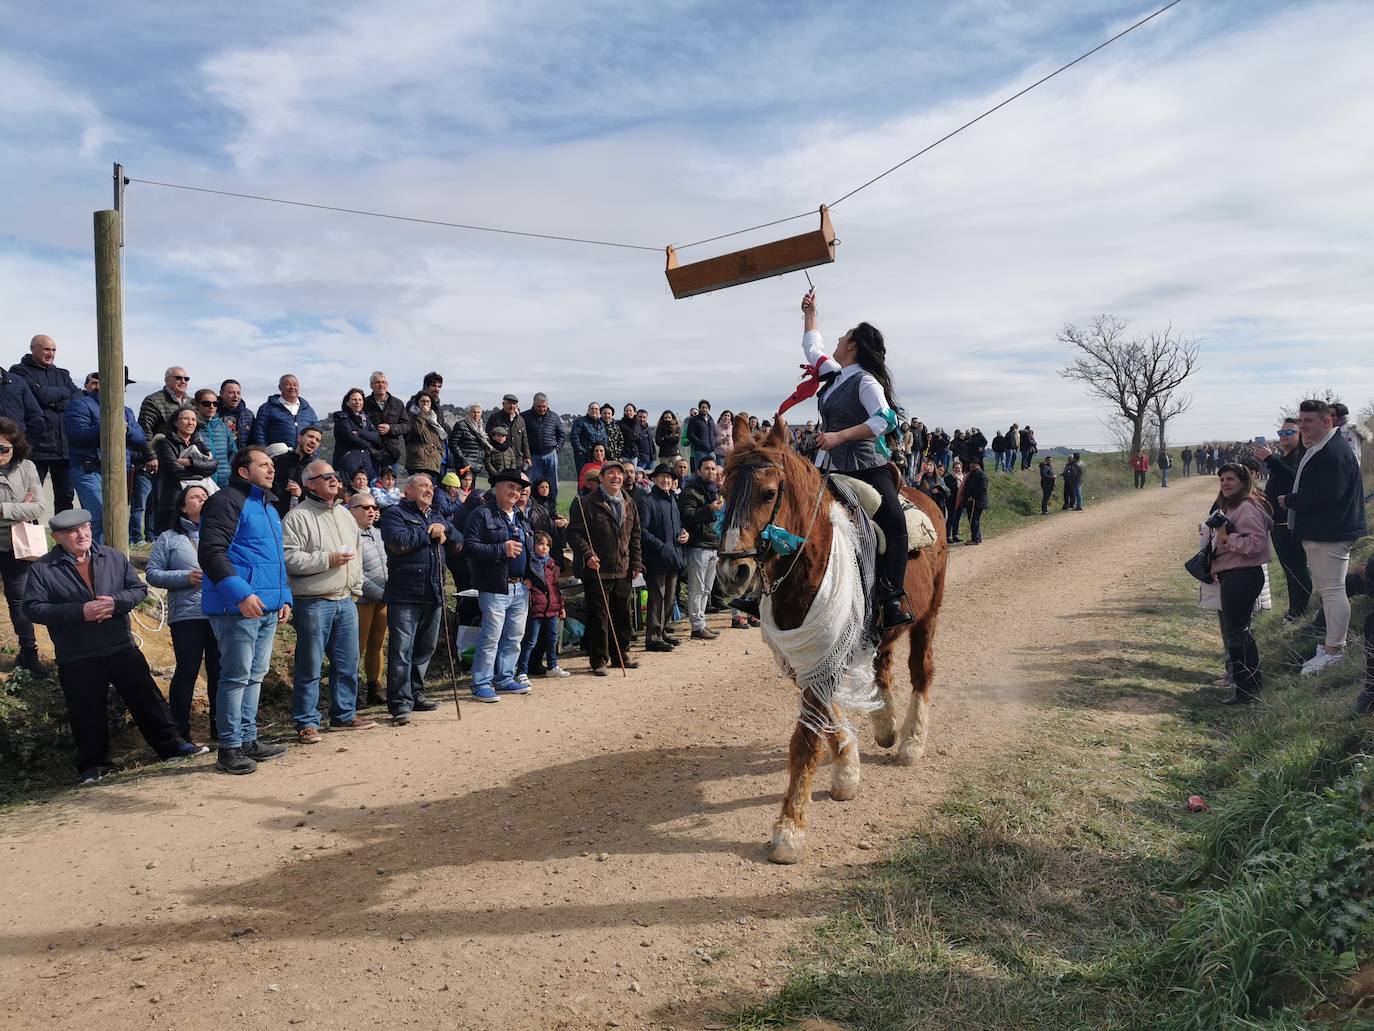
<point x="524" y="678"/>
<point x="558" y="671"/>
<point x="1320" y="661"/>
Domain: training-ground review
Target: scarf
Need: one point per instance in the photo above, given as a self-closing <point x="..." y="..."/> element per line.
<point x="1297" y="477"/>
<point x="477" y="431"/>
<point x="617" y="503"/>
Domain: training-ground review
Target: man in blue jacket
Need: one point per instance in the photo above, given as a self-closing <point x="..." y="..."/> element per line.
<point x="246" y="596"/>
<point x="546" y="435"/>
<point x="282" y="416"/>
<point x="415" y="535"/>
<point x="81" y="421"/>
<point x="497" y="544"/>
<point x="52" y="389"/>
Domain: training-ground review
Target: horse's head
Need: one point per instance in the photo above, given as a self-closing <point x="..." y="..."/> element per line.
<point x="758" y="492"/>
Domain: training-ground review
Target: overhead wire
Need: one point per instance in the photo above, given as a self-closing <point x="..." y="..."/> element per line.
<point x="695" y="243"/>
<point x="949" y="135"/>
<point x="397" y="218"/>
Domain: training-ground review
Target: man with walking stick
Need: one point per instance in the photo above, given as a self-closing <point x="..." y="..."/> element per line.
<point x="603" y="528"/>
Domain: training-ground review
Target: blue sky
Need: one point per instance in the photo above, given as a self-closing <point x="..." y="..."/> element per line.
<point x="1206" y="173"/>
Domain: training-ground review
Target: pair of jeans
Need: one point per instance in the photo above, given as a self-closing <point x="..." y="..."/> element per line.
<point x="541" y="638"/>
<point x="1164" y="477"/>
<point x="85" y="686"/>
<point x="1078" y="497"/>
<point x="62" y="491"/>
<point x="1139" y="479"/>
<point x="90" y="491"/>
<point x="141" y="517"/>
<point x="371" y="634"/>
<point x="701" y="574"/>
<point x="1240" y="589"/>
<point x="1329" y="561"/>
<point x="545" y="467"/>
<point x="15" y="573"/>
<point x="245" y="653"/>
<point x="413" y="634"/>
<point x="1288" y="550"/>
<point x="193" y="641"/>
<point x="503" y="628"/>
<point x="1046" y="492"/>
<point x="325" y="626"/>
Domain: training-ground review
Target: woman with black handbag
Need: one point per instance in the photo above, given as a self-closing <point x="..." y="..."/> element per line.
<point x="1239" y="535"/>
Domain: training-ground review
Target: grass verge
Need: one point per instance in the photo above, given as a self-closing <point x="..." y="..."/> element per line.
<point x="1069" y="885"/>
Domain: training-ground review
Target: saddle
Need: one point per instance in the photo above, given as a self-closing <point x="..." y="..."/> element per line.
<point x="920" y="531"/>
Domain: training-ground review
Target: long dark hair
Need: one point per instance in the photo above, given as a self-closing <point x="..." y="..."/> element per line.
<point x="180" y="503"/>
<point x="871" y="354"/>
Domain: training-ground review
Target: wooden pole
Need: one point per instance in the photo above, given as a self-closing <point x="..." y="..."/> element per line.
<point x="109" y="329"/>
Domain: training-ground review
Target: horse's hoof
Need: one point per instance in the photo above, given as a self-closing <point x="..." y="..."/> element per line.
<point x="844" y="792"/>
<point x="784" y="853"/>
<point x="908" y="755"/>
<point x="787" y="845"/>
<point x="885" y="738"/>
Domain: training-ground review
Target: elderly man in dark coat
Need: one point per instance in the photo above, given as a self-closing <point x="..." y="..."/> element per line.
<point x="662" y="539"/>
<point x="83" y="593"/>
<point x="603" y="529"/>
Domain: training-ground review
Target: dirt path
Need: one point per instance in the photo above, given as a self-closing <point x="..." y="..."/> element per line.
<point x="588" y="856"/>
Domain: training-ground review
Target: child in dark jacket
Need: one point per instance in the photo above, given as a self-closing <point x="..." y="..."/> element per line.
<point x="542" y="627"/>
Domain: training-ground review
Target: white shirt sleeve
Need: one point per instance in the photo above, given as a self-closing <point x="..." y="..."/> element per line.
<point x="813" y="348"/>
<point x="873" y="399"/>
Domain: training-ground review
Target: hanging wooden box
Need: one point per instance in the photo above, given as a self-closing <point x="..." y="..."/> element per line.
<point x="768" y="259"/>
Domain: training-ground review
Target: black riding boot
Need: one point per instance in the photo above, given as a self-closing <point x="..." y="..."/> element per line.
<point x="892" y="613"/>
<point x="747" y="604"/>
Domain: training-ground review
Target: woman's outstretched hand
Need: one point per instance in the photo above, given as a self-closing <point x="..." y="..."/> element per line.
<point x="808" y="305"/>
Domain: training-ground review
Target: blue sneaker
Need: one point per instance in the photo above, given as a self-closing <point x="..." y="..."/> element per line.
<point x="484" y="694"/>
<point x="514" y="687"/>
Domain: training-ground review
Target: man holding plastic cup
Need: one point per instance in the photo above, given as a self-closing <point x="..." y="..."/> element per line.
<point x="321" y="543"/>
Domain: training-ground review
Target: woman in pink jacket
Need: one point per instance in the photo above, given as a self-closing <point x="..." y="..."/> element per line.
<point x="1240" y="525"/>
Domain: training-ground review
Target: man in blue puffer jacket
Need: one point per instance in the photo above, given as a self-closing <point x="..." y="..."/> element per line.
<point x="282" y="416"/>
<point x="81" y="422"/>
<point x="246" y="595"/>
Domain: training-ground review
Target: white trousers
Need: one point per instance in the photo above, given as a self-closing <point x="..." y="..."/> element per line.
<point x="1329" y="561"/>
<point x="701" y="576"/>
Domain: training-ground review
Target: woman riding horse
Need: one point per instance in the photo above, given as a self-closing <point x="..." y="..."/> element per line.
<point x="854" y="395"/>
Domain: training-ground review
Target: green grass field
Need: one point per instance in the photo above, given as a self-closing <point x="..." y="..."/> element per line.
<point x="1068" y="886"/>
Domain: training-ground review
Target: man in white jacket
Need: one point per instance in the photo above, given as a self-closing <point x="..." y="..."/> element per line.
<point x="321" y="543"/>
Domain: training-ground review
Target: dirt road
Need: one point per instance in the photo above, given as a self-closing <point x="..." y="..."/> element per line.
<point x="591" y="855"/>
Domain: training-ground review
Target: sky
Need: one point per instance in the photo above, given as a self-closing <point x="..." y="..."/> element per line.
<point x="1208" y="173"/>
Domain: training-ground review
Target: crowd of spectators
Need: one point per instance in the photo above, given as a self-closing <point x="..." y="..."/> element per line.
<point x="252" y="527"/>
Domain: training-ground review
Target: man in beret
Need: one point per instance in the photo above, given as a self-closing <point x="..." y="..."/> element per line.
<point x="83" y="593"/>
<point x="661" y="541"/>
<point x="603" y="529"/>
<point x="497" y="544"/>
<point x="508" y="417"/>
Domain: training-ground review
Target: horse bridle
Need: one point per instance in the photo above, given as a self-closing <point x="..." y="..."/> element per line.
<point x="763" y="541"/>
<point x="760" y="552"/>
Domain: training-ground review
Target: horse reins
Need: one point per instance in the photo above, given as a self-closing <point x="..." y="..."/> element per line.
<point x="760" y="552"/>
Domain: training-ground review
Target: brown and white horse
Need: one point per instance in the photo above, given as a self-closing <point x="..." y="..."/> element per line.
<point x="767" y="482"/>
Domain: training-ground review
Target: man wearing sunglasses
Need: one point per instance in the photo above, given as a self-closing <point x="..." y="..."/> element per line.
<point x="321" y="543"/>
<point x="1283" y="466"/>
<point x="155" y="417"/>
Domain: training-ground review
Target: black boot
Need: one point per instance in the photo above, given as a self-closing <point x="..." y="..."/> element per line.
<point x="28" y="659"/>
<point x="232" y="760"/>
<point x="894" y="615"/>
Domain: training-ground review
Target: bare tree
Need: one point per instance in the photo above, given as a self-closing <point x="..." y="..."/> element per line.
<point x="1163" y="408"/>
<point x="1128" y="373"/>
<point x="1325" y="394"/>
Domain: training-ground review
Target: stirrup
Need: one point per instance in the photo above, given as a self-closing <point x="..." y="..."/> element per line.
<point x="894" y="614"/>
<point x="747" y="604"/>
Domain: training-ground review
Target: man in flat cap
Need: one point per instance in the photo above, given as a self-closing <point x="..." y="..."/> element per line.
<point x="508" y="415"/>
<point x="497" y="544"/>
<point x="83" y="593"/>
<point x="603" y="529"/>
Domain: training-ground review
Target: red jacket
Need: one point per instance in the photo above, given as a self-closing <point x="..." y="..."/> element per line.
<point x="1140" y="463"/>
<point x="551" y="604"/>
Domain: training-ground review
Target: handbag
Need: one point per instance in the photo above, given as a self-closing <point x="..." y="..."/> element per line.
<point x="28" y="540"/>
<point x="1200" y="565"/>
